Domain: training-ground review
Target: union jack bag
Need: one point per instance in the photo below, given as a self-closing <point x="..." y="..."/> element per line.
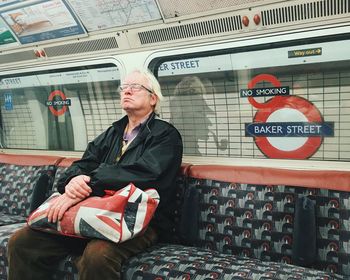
<point x="116" y="217"/>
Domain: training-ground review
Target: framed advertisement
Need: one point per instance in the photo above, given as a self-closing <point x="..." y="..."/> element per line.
<point x="103" y="14"/>
<point x="6" y="36"/>
<point x="43" y="21"/>
<point x="4" y="3"/>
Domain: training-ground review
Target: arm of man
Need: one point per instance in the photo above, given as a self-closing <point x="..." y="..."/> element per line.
<point x="73" y="185"/>
<point x="161" y="153"/>
<point x="59" y="207"/>
<point x="75" y="177"/>
<point x="78" y="187"/>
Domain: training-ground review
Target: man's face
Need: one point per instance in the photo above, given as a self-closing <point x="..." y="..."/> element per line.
<point x="136" y="98"/>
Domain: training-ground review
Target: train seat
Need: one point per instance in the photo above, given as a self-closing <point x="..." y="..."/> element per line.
<point x="18" y="176"/>
<point x="232" y="222"/>
<point x="66" y="268"/>
<point x="246" y="227"/>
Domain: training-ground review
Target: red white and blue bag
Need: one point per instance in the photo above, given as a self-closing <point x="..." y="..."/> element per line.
<point x="117" y="216"/>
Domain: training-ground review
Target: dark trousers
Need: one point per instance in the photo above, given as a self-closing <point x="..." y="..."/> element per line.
<point x="35" y="255"/>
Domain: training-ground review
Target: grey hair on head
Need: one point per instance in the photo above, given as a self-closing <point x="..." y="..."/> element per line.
<point x="153" y="85"/>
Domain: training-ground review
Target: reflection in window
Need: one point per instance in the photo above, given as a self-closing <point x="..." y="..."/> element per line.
<point x="189" y="104"/>
<point x="205" y="104"/>
<point x="58" y="110"/>
<point x="191" y="114"/>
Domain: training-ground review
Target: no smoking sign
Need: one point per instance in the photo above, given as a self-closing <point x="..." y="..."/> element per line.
<point x="58" y="103"/>
<point x="285" y="127"/>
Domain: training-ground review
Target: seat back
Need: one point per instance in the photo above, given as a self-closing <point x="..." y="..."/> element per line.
<point x="18" y="176"/>
<point x="250" y="212"/>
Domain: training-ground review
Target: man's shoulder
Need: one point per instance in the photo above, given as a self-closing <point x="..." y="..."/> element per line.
<point x="161" y="123"/>
<point x="160" y="126"/>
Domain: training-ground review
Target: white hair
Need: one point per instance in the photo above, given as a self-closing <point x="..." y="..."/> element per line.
<point x="154" y="85"/>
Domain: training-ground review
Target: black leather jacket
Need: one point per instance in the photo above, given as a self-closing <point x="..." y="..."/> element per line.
<point x="152" y="160"/>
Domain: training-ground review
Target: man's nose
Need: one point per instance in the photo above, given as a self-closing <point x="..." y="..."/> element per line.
<point x="127" y="90"/>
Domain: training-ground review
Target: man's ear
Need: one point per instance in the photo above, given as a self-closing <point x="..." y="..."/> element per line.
<point x="154" y="99"/>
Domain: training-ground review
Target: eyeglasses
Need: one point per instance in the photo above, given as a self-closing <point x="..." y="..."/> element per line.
<point x="133" y="88"/>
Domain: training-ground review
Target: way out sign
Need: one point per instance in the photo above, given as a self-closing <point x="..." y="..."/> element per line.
<point x="285" y="126"/>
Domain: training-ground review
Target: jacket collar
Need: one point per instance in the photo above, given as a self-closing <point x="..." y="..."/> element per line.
<point x="144" y="132"/>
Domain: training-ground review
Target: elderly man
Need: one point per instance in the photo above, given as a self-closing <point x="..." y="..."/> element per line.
<point x="139" y="148"/>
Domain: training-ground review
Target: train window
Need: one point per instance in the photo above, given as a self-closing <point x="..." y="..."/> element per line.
<point x="288" y="102"/>
<point x="59" y="109"/>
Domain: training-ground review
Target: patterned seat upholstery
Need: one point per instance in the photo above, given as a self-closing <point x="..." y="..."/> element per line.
<point x="245" y="231"/>
<point x="256" y="221"/>
<point x="244" y="223"/>
<point x="6" y="219"/>
<point x="5" y="232"/>
<point x="16" y="190"/>
<point x="173" y="262"/>
<point x="18" y="176"/>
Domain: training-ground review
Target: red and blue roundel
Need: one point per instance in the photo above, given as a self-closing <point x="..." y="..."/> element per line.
<point x="53" y="102"/>
<point x="286" y="127"/>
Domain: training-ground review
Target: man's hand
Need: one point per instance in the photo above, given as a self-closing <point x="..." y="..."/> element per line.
<point x="60" y="206"/>
<point x="78" y="187"/>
